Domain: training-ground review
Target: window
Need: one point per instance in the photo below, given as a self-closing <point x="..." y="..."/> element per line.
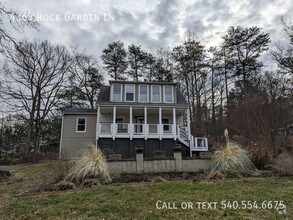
<point x="156" y="93"/>
<point x="129" y="93"/>
<point x="81" y="125"/>
<point x="168" y="94"/>
<point x="117" y="91"/>
<point x="143" y="93"/>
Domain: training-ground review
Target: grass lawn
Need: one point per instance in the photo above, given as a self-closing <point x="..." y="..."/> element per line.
<point x="138" y="200"/>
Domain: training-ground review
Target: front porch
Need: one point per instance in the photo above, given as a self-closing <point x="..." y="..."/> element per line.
<point x="148" y="123"/>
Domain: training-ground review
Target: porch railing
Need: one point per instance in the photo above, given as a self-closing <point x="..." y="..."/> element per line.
<point x="105" y="128"/>
<point x="136" y="129"/>
<point x="154" y="131"/>
<point x="122" y="128"/>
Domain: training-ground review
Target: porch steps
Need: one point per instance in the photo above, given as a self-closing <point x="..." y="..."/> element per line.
<point x="196" y="144"/>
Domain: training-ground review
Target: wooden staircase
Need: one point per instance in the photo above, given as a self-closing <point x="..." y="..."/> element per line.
<point x="195" y="144"/>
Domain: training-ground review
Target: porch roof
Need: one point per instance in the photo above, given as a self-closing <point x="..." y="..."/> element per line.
<point x="77" y="111"/>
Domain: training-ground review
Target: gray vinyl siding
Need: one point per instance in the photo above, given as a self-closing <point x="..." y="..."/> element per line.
<point x="69" y="126"/>
<point x="73" y="145"/>
<point x="72" y="141"/>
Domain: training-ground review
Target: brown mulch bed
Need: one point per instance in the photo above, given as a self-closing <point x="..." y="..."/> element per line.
<point x="193" y="176"/>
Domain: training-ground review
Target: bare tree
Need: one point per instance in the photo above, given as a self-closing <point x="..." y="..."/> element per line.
<point x="35" y="74"/>
<point x="284" y="55"/>
<point x="18" y="21"/>
<point x="189" y="59"/>
<point x="87" y="78"/>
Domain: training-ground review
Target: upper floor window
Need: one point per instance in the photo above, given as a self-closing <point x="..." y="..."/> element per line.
<point x="168" y="94"/>
<point x="156" y="93"/>
<point x="81" y="125"/>
<point x="143" y="93"/>
<point x="117" y="92"/>
<point x="129" y="92"/>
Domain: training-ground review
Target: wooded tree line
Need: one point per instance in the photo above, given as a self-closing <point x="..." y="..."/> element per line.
<point x="225" y="86"/>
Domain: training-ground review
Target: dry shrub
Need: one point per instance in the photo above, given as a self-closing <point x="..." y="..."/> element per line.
<point x="261" y="155"/>
<point x="58" y="171"/>
<point x="88" y="183"/>
<point x="224" y="175"/>
<point x="231" y="157"/>
<point x="215" y="175"/>
<point x="91" y="164"/>
<point x="159" y="179"/>
<point x="64" y="185"/>
<point x="232" y="174"/>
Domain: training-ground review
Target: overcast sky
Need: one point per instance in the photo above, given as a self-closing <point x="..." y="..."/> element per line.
<point x="149" y="23"/>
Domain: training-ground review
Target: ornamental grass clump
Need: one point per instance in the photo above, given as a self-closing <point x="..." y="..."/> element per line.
<point x="231" y="157"/>
<point x="91" y="165"/>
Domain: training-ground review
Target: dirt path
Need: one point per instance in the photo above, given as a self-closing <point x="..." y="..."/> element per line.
<point x="12" y="167"/>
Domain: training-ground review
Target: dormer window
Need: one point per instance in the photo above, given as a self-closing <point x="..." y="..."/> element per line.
<point x="168" y="94"/>
<point x="129" y="92"/>
<point x="143" y="93"/>
<point x="117" y="92"/>
<point x="156" y="93"/>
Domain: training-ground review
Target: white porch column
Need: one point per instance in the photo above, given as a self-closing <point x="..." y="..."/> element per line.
<point x="130" y="123"/>
<point x="174" y="124"/>
<point x="146" y="128"/>
<point x="188" y="130"/>
<point x="98" y="124"/>
<point x="114" y="123"/>
<point x="188" y="124"/>
<point x="160" y="124"/>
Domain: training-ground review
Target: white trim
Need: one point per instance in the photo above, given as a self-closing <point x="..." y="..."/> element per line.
<point x="139" y="93"/>
<point x="114" y="129"/>
<point x="112" y="92"/>
<point x="152" y="86"/>
<point x="98" y="123"/>
<point x="146" y="128"/>
<point x="189" y="131"/>
<point x="174" y="124"/>
<point x="76" y="125"/>
<point x="160" y="131"/>
<point x="61" y="138"/>
<point x="125" y="85"/>
<point x="164" y="93"/>
<point x="131" y="124"/>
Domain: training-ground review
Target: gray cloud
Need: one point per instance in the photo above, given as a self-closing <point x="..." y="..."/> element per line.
<point x="154" y="23"/>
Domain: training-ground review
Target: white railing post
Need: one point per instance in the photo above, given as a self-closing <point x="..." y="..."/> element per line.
<point x="160" y="123"/>
<point x="98" y="124"/>
<point x="188" y="124"/>
<point x="130" y="130"/>
<point x="174" y="124"/>
<point x="146" y="130"/>
<point x="114" y="129"/>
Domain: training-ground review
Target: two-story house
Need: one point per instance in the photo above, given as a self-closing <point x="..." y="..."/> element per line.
<point x="154" y="115"/>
